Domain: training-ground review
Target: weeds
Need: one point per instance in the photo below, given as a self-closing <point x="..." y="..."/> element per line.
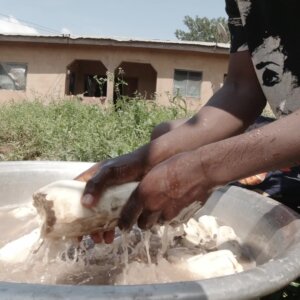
<point x="69" y="130"/>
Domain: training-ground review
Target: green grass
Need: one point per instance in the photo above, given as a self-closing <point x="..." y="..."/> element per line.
<point x="71" y="131"/>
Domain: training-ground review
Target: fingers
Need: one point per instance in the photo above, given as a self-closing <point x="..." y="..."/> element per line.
<point x="97" y="237"/>
<point x="109" y="236"/>
<point x="171" y="211"/>
<point x="94" y="188"/>
<point x="86" y="175"/>
<point x="100" y="237"/>
<point x="131" y="211"/>
<point x="175" y="207"/>
<point x="148" y="219"/>
<point x="121" y="170"/>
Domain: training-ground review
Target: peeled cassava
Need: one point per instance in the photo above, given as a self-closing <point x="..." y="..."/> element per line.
<point x="214" y="264"/>
<point x="63" y="215"/>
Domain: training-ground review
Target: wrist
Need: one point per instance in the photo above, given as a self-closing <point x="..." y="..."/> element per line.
<point x="153" y="153"/>
<point x="195" y="168"/>
<point x="211" y="167"/>
<point x="141" y="158"/>
<point x="236" y="158"/>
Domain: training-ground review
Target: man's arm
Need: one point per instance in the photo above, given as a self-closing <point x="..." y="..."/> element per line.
<point x="191" y="176"/>
<point x="232" y="109"/>
<point x="270" y="147"/>
<point x="229" y="112"/>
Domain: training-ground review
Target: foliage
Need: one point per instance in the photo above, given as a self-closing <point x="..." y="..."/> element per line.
<point x="70" y="130"/>
<point x="119" y="82"/>
<point x="291" y="292"/>
<point x="101" y="81"/>
<point x="204" y="29"/>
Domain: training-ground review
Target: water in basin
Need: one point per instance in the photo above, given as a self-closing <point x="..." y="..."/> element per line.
<point x="199" y="249"/>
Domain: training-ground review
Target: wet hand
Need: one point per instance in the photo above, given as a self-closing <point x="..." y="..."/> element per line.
<point x="123" y="169"/>
<point x="165" y="191"/>
<point x="102" y="175"/>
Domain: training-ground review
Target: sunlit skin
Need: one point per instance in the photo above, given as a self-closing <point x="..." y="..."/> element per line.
<point x="187" y="161"/>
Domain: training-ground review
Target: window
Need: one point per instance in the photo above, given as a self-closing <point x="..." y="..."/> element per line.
<point x="187" y="83"/>
<point x="13" y="76"/>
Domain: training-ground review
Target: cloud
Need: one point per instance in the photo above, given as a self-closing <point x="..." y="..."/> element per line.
<point x="65" y="30"/>
<point x="10" y="25"/>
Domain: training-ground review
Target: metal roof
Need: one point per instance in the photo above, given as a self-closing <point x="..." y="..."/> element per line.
<point x="194" y="46"/>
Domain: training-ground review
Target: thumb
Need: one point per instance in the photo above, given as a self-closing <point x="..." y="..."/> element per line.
<point x="93" y="190"/>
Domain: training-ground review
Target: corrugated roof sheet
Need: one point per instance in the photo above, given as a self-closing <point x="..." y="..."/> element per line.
<point x="119" y="41"/>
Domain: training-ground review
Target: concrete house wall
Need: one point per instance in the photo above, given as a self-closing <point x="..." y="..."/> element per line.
<point x="149" y="65"/>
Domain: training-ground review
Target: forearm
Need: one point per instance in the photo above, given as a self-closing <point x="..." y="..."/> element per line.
<point x="228" y="113"/>
<point x="270" y="147"/>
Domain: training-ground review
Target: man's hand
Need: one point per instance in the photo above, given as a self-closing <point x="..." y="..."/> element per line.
<point x="104" y="174"/>
<point x="165" y="191"/>
<point x="98" y="237"/>
<point x="123" y="169"/>
<point x="190" y="176"/>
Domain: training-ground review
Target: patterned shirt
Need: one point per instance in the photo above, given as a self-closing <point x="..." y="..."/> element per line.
<point x="270" y="31"/>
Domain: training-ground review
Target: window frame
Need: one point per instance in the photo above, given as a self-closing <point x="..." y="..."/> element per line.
<point x="188" y="72"/>
<point x="15" y="64"/>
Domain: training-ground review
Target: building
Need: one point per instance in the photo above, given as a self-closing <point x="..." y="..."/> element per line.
<point x="51" y="67"/>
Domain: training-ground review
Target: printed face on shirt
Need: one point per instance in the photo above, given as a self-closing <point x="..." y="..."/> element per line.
<point x="277" y="83"/>
<point x="270" y="61"/>
<point x="268" y="29"/>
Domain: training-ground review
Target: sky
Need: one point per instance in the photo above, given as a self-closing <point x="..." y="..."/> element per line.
<point x="140" y="19"/>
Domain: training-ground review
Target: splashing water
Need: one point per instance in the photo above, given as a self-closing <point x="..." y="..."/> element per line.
<point x="164" y="254"/>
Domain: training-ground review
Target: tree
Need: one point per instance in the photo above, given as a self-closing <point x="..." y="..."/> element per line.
<point x="204" y="29"/>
